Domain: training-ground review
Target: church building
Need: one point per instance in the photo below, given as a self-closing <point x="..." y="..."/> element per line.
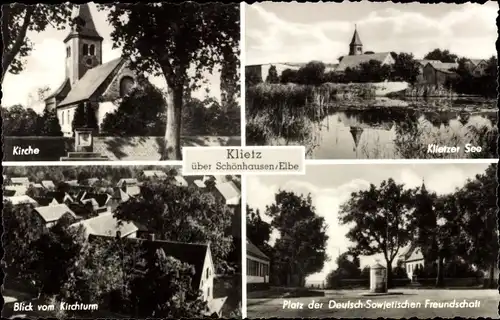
<point x="88" y="81"/>
<point x="356" y="55"/>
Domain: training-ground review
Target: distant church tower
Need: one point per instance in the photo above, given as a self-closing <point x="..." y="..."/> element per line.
<point x="355" y="47"/>
<point x="83" y="45"/>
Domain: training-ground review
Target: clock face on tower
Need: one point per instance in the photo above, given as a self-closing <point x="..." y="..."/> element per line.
<point x="90" y="61"/>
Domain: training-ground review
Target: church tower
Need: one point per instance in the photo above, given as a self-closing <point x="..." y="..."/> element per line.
<point x="355" y="47"/>
<point x="83" y="45"/>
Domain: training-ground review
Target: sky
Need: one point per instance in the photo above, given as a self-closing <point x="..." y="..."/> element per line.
<point x="301" y="32"/>
<point x="331" y="185"/>
<point x="45" y="65"/>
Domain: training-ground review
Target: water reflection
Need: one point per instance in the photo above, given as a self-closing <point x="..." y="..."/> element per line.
<point x="396" y="132"/>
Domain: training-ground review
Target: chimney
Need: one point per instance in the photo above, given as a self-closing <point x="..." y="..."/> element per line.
<point x="151" y="236"/>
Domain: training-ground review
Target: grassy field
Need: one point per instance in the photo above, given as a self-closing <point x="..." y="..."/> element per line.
<point x="273" y="307"/>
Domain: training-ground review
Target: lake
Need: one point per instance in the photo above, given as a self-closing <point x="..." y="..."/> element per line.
<point x="387" y="128"/>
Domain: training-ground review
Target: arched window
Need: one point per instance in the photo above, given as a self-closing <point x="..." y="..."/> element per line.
<point x="67" y="115"/>
<point x="126" y="84"/>
<point x="85" y="49"/>
<point x="92" y="50"/>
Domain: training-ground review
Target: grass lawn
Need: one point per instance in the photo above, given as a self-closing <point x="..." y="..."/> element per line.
<point x="273" y="307"/>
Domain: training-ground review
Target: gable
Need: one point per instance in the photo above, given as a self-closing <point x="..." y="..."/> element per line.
<point x="93" y="79"/>
<point x="355" y="60"/>
<point x="111" y="90"/>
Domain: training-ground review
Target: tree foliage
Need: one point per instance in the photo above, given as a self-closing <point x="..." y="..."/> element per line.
<point x="312" y="73"/>
<point x="272" y="76"/>
<point x="441" y="55"/>
<point x="405" y="67"/>
<point x="258" y="231"/>
<point x="162" y="206"/>
<point x="140" y="113"/>
<point x="20" y="121"/>
<point x="381" y="220"/>
<point x="301" y="247"/>
<point x="193" y="36"/>
<point x="17" y="20"/>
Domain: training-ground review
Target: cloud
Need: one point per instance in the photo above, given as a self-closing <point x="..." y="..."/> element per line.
<point x="468" y="30"/>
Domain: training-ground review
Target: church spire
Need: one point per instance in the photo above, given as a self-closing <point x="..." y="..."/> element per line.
<point x="83" y="24"/>
<point x="355" y="47"/>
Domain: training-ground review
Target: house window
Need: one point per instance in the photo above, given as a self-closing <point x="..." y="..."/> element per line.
<point x="85" y="49"/>
<point x="68" y="116"/>
<point x="208" y="292"/>
<point x="62" y="117"/>
<point x="208" y="273"/>
<point x="92" y="50"/>
<point x="68" y="52"/>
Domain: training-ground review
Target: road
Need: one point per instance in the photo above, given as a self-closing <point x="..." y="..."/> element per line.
<point x="273" y="307"/>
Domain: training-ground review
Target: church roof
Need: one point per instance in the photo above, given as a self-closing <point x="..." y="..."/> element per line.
<point x="91" y="81"/>
<point x="58" y="90"/>
<point x="356" y="41"/>
<point x="84" y="24"/>
<point x="356" y="60"/>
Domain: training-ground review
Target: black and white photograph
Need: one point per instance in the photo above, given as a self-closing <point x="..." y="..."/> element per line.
<point x="120" y="242"/>
<point x="119" y="82"/>
<point x="372" y="80"/>
<point x="373" y="241"/>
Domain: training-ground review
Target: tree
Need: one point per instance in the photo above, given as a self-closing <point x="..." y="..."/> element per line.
<point x="380" y="218"/>
<point x="140" y="113"/>
<point x="272" y="76"/>
<point x="22" y="228"/>
<point x="478" y="202"/>
<point x="17" y="20"/>
<point x="373" y="71"/>
<point x="49" y="124"/>
<point x="312" y="73"/>
<point x="229" y="86"/>
<point x="193" y="35"/>
<point x="19" y="121"/>
<point x="302" y="242"/>
<point x="252" y="77"/>
<point x="441" y="55"/>
<point x="288" y="76"/>
<point x="348" y="267"/>
<point x="79" y="119"/>
<point x="405" y="67"/>
<point x="258" y="231"/>
<point x="162" y="206"/>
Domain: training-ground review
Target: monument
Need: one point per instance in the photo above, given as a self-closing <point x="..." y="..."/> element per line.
<point x="84" y="147"/>
<point x="378" y="278"/>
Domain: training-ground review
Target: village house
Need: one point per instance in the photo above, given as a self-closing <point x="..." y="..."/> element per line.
<point x="15" y="190"/>
<point x="439" y="74"/>
<point x="106" y="225"/>
<point x="158" y="174"/>
<point x="479" y="68"/>
<point x="197" y="255"/>
<point x="228" y="192"/>
<point x="130" y="186"/>
<point x="258" y="266"/>
<point x="21" y="200"/>
<point x="48" y="184"/>
<point x="52" y="213"/>
<point x="89" y="81"/>
<point x="412" y="259"/>
<point x="19" y="181"/>
<point x="180" y="181"/>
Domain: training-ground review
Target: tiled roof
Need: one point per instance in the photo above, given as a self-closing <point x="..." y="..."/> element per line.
<point x="48" y="184"/>
<point x="15" y="200"/>
<point x="180" y="181"/>
<point x="190" y="253"/>
<point x="120" y="195"/>
<point x="356" y="60"/>
<point x="445" y="66"/>
<point x="58" y="90"/>
<point x="230" y="192"/>
<point x="55" y="212"/>
<point x="199" y="183"/>
<point x="154" y="173"/>
<point x="150" y="148"/>
<point x="90" y="82"/>
<point x="100" y="198"/>
<point x="424" y="61"/>
<point x="126" y="181"/>
<point x="20" y="180"/>
<point x="19" y="190"/>
<point x="59" y="196"/>
<point x="254" y="251"/>
<point x="45" y="201"/>
<point x="107" y="225"/>
<point x="133" y="190"/>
